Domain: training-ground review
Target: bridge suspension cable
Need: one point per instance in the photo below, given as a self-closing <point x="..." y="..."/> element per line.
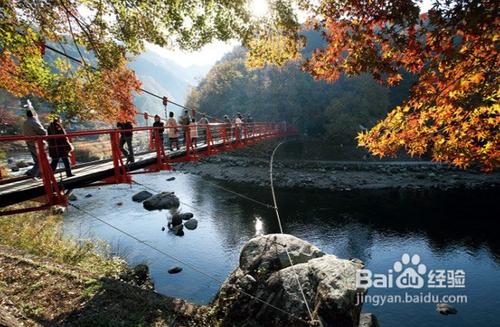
<point x="281" y="230"/>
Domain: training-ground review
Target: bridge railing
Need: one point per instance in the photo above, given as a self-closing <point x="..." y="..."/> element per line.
<point x="151" y="144"/>
<point x="100" y="145"/>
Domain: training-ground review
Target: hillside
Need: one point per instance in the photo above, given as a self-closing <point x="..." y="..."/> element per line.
<point x="158" y="74"/>
<point x="164" y="77"/>
<point x="333" y="111"/>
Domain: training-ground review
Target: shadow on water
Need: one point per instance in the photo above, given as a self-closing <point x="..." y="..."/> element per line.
<point x="445" y="219"/>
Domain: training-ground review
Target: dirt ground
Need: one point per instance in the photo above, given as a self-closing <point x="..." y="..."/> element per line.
<point x="37" y="292"/>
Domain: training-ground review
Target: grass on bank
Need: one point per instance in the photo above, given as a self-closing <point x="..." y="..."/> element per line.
<point x="40" y="233"/>
<point x="49" y="280"/>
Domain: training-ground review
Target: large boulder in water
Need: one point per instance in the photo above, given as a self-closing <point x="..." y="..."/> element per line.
<point x="163" y="200"/>
<point x="368" y="320"/>
<point x="264" y="272"/>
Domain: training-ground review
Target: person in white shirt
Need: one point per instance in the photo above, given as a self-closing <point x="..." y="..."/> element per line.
<point x="239" y="124"/>
<point x="193" y="131"/>
<point x="172" y="131"/>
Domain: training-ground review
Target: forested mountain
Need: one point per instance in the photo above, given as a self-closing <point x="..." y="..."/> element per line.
<point x="158" y="74"/>
<point x="164" y="77"/>
<point x="330" y="110"/>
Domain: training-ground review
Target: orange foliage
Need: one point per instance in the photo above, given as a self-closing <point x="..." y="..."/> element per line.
<point x="114" y="93"/>
<point x="453" y="111"/>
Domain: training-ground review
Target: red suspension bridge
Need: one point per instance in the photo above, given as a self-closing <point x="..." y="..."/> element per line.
<point x="50" y="190"/>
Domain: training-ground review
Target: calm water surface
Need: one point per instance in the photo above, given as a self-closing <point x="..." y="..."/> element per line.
<point x="447" y="230"/>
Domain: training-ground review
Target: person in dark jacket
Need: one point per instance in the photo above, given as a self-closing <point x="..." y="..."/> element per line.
<point x="158" y="123"/>
<point x="126" y="137"/>
<point x="228" y="124"/>
<point x="59" y="148"/>
<point x="184" y="121"/>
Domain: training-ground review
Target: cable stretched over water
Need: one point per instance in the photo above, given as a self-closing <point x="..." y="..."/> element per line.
<point x="281" y="230"/>
<point x="240" y="195"/>
<point x="191" y="266"/>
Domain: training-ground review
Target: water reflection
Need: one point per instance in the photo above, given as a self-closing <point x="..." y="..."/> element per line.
<point x="448" y="229"/>
<point x="259" y="226"/>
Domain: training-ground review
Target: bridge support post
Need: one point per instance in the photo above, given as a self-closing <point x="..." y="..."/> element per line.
<point x="209" y="141"/>
<point x="121" y="174"/>
<point x="53" y="193"/>
<point x="161" y="157"/>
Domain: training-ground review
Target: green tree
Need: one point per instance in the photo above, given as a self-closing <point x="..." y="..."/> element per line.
<point x="358" y="104"/>
<point x="336" y="112"/>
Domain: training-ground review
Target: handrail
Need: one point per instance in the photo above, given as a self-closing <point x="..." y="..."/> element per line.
<point x="9" y="138"/>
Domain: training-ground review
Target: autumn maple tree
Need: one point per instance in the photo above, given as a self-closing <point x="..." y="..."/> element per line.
<point x="452" y="51"/>
<point x="104" y="34"/>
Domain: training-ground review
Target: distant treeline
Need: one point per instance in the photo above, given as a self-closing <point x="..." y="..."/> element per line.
<point x="332" y="111"/>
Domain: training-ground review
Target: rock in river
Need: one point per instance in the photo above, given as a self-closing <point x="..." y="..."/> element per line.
<point x="264" y="271"/>
<point x="163" y="200"/>
<point x="177" y="229"/>
<point x="141" y="196"/>
<point x="174" y="270"/>
<point x="183" y="216"/>
<point x="191" y="224"/>
<point x="368" y="320"/>
<point x="170" y="179"/>
<point x="445" y="309"/>
<point x="176" y="220"/>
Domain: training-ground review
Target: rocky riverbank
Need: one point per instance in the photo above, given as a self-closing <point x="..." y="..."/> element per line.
<point x="340" y="175"/>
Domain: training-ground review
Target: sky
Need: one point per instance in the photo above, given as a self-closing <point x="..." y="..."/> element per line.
<point x="213" y="52"/>
<point x="208" y="55"/>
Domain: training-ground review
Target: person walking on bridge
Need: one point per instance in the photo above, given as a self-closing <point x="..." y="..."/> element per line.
<point x="228" y="124"/>
<point x="172" y="131"/>
<point x="59" y="148"/>
<point x="238" y="122"/>
<point x="32" y="127"/>
<point x="185" y="120"/>
<point x="193" y="132"/>
<point x="203" y="122"/>
<point x="159" y="131"/>
<point x="126" y="137"/>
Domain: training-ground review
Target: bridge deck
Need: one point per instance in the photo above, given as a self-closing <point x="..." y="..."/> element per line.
<point x="22" y="189"/>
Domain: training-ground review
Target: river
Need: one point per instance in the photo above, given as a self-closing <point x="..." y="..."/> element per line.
<point x="449" y="231"/>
